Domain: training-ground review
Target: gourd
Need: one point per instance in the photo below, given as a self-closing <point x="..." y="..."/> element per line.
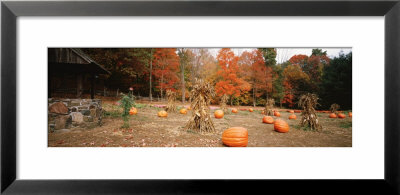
<point x="235" y="137"/>
<point x="281" y="126"/>
<point x="219" y="114"/>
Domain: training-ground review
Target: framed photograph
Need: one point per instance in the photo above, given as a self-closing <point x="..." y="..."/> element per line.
<point x="133" y="97"/>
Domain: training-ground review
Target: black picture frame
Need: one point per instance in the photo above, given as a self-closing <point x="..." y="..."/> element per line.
<point x="10" y="10"/>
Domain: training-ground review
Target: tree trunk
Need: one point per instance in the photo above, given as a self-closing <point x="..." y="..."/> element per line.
<point x="254" y="97"/>
<point x="151" y="72"/>
<point x="183" y="81"/>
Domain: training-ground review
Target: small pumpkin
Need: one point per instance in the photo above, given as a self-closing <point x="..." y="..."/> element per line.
<point x="332" y="115"/>
<point x="291" y="111"/>
<point x="350" y="114"/>
<point x="219" y="114"/>
<point x="235" y="137"/>
<point x="268" y="120"/>
<point x="297" y="111"/>
<point x="133" y="111"/>
<point x="162" y="113"/>
<point x="277" y="114"/>
<point x="189" y="108"/>
<point x="183" y="111"/>
<point x="341" y="115"/>
<point x="262" y="112"/>
<point x="281" y="126"/>
<point x="251" y="110"/>
<point x="234" y="110"/>
<point x="292" y="116"/>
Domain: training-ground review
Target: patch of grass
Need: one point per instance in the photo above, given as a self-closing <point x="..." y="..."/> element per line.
<point x="141" y="105"/>
<point x="346" y="124"/>
<point x="305" y="128"/>
<point x="112" y="114"/>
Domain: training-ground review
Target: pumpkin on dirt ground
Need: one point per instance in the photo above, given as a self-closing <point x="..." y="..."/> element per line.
<point x="251" y="110"/>
<point x="235" y="137"/>
<point x="162" y="113"/>
<point x="297" y="111"/>
<point x="292" y="116"/>
<point x="277" y="114"/>
<point x="291" y="111"/>
<point x="350" y="114"/>
<point x="133" y="111"/>
<point x="262" y="112"/>
<point x="219" y="114"/>
<point x="234" y="110"/>
<point x="281" y="126"/>
<point x="340" y="115"/>
<point x="183" y="111"/>
<point x="332" y="115"/>
<point x="268" y="120"/>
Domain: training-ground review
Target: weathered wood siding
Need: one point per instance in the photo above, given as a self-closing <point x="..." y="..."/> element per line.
<point x="65" y="55"/>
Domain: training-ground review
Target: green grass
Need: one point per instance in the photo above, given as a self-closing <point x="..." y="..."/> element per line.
<point x="112" y="114"/>
<point x="305" y="128"/>
<point x="346" y="124"/>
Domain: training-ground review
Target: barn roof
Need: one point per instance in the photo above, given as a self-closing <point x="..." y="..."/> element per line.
<point x="73" y="60"/>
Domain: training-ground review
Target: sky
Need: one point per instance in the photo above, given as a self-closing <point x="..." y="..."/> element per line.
<point x="284" y="54"/>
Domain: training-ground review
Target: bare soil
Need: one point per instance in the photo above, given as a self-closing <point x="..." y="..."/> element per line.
<point x="149" y="130"/>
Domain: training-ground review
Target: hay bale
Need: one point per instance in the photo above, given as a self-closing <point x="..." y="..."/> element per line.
<point x="171" y="97"/>
<point x="269" y="105"/>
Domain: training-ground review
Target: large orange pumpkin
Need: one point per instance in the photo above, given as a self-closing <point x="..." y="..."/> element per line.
<point x="268" y="120"/>
<point x="183" y="111"/>
<point x="234" y="110"/>
<point x="340" y="115"/>
<point x="332" y="115"/>
<point x="219" y="114"/>
<point x="350" y="114"/>
<point x="251" y="110"/>
<point x="132" y="111"/>
<point x="281" y="126"/>
<point x="162" y="113"/>
<point x="292" y="116"/>
<point x="235" y="137"/>
<point x="277" y="114"/>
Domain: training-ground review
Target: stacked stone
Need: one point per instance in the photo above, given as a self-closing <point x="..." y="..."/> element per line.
<point x="68" y="113"/>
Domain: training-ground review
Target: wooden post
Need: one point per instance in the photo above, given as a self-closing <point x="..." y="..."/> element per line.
<point x="79" y="85"/>
<point x="92" y="86"/>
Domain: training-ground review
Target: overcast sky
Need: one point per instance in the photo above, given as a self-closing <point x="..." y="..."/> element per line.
<point x="284" y="54"/>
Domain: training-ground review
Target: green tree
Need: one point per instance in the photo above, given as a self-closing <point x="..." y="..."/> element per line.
<point x="336" y="85"/>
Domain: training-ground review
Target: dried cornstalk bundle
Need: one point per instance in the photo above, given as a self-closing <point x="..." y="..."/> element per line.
<point x="201" y="96"/>
<point x="171" y="97"/>
<point x="308" y="102"/>
<point x="334" y="108"/>
<point x="224" y="100"/>
<point x="269" y="105"/>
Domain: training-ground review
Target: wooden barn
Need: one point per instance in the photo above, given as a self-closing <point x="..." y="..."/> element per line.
<point x="73" y="74"/>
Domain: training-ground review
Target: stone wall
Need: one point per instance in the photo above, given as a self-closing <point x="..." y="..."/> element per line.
<point x="69" y="113"/>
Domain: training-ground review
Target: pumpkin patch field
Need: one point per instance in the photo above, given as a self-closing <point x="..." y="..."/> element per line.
<point x="147" y="129"/>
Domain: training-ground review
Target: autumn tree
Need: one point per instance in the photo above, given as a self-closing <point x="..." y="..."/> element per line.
<point x="296" y="82"/>
<point x="269" y="55"/>
<point x="186" y="57"/>
<point x="230" y="82"/>
<point x="166" y="67"/>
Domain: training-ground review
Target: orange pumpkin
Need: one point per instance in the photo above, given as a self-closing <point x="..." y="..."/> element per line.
<point x="291" y="111"/>
<point x="234" y="110"/>
<point x="251" y="110"/>
<point x="262" y="112"/>
<point x="268" y="120"/>
<point x="235" y="137"/>
<point x="332" y="115"/>
<point x="183" y="111"/>
<point x="189" y="108"/>
<point x="340" y="115"/>
<point x="133" y="111"/>
<point x="162" y="113"/>
<point x="281" y="126"/>
<point x="219" y="114"/>
<point x="277" y="114"/>
<point x="292" y="116"/>
<point x="350" y="114"/>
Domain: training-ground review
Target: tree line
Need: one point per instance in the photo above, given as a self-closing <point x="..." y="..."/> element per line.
<point x="248" y="77"/>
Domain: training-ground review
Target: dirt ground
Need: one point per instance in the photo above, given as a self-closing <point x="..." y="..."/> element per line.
<point x="149" y="130"/>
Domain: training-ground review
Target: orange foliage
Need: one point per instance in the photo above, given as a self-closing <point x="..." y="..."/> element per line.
<point x="166" y="66"/>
